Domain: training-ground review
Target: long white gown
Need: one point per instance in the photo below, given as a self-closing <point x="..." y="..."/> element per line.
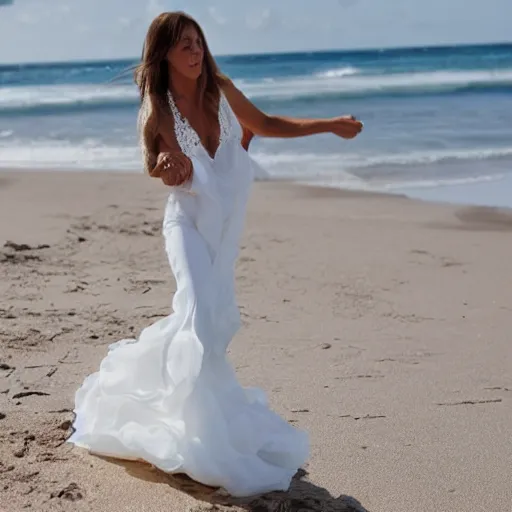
<point x="171" y="397"/>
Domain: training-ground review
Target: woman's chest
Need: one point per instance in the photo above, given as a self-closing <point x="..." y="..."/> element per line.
<point x="203" y="124"/>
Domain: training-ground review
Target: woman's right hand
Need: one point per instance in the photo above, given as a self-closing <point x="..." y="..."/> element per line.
<point x="174" y="168"/>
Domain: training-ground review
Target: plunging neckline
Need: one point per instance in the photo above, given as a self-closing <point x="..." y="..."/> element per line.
<point x="186" y="122"/>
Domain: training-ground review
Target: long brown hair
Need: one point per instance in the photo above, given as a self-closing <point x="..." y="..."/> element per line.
<point x="152" y="77"/>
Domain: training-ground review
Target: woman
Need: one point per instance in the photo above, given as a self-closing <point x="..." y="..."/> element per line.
<point x="171" y="397"/>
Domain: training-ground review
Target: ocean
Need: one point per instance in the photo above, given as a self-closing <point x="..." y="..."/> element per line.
<point x="438" y="120"/>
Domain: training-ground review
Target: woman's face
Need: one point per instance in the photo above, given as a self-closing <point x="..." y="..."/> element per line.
<point x="186" y="57"/>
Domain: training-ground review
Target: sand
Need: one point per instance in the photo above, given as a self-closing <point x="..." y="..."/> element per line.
<point x="380" y="324"/>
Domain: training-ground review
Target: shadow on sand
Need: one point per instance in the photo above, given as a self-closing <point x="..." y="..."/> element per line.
<point x="301" y="497"/>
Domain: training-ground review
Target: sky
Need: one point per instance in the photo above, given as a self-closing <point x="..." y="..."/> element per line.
<point x="57" y="30"/>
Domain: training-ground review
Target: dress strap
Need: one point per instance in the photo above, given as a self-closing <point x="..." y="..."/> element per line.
<point x="187" y="137"/>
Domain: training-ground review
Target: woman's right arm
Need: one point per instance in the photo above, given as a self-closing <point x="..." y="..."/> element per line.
<point x="173" y="166"/>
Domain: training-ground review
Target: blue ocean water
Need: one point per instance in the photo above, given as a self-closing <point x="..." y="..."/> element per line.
<point x="437" y="119"/>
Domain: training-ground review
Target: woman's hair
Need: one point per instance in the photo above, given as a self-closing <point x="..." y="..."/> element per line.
<point x="152" y="78"/>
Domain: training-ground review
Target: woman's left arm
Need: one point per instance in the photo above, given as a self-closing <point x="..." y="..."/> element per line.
<point x="266" y="125"/>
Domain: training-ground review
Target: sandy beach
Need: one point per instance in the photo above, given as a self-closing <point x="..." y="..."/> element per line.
<point x="380" y="324"/>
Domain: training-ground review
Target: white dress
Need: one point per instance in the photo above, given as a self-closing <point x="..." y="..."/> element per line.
<point x="171" y="397"/>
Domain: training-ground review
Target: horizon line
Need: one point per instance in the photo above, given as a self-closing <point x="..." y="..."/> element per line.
<point x="263" y="54"/>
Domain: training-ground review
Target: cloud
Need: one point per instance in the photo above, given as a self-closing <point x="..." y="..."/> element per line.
<point x="262" y="20"/>
<point x="125" y="22"/>
<point x="154" y="8"/>
<point x="216" y="16"/>
<point x="6" y="2"/>
<point x="347" y="3"/>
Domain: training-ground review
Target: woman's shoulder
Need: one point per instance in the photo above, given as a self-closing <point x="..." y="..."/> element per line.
<point x="162" y="117"/>
<point x="225" y="83"/>
<point x="160" y="120"/>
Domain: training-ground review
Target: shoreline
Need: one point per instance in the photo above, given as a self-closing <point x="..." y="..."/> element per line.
<point x="426" y="194"/>
<point x="379" y="324"/>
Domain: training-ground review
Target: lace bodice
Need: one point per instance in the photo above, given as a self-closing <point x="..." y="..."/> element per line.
<point x="188" y="138"/>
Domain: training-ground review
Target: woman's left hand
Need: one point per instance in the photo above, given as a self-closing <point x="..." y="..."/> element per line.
<point x="346" y="127"/>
